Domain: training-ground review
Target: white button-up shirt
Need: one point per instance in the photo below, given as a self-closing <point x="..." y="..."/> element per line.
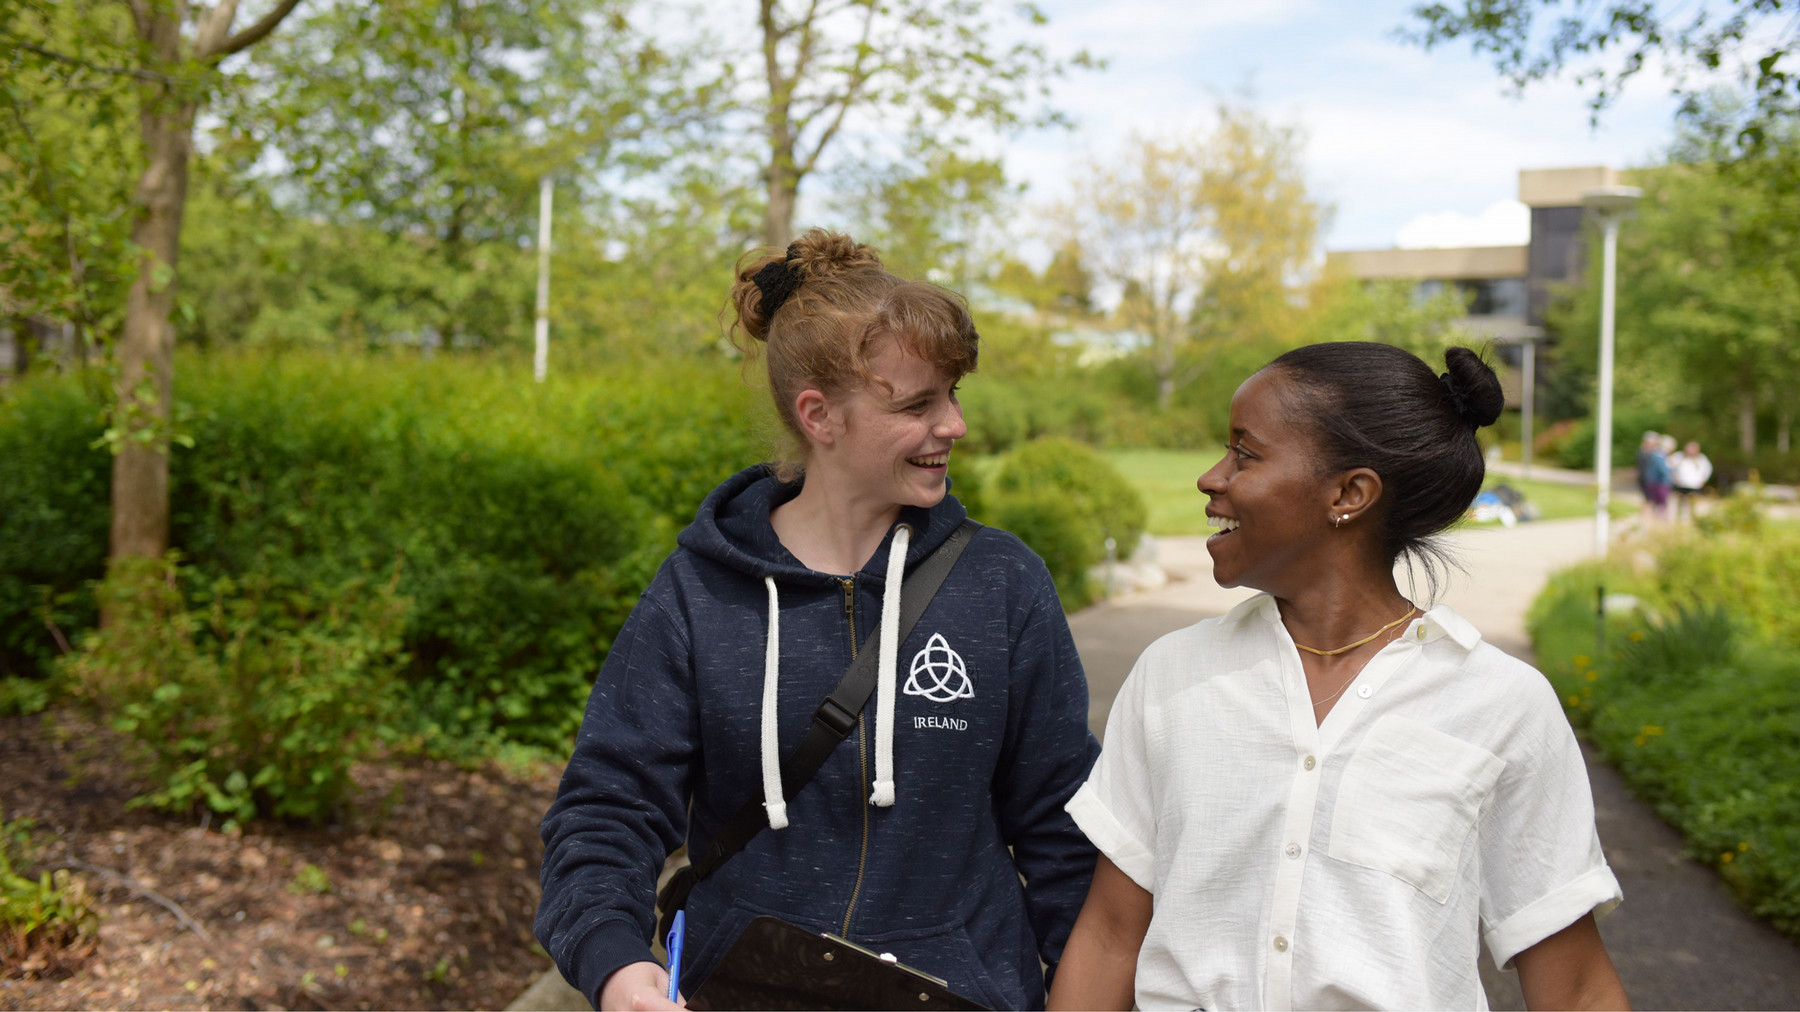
<point x="1358" y="863"/>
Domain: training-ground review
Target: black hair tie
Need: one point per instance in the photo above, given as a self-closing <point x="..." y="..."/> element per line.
<point x="1457" y="400"/>
<point x="777" y="282"/>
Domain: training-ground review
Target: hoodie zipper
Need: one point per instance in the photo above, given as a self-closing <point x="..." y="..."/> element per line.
<point x="862" y="752"/>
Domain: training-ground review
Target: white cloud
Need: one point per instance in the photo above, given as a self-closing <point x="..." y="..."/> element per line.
<point x="1502" y="223"/>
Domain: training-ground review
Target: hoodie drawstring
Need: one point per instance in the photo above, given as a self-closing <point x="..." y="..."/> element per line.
<point x="771" y="746"/>
<point x="885" y="678"/>
<point x="883" y="797"/>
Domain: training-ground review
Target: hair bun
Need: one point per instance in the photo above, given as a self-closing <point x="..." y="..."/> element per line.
<point x="767" y="279"/>
<point x="1473" y="388"/>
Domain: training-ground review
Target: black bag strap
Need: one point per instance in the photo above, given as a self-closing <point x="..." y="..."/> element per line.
<point x="835" y="718"/>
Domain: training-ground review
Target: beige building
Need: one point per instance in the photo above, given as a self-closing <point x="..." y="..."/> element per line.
<point x="1508" y="289"/>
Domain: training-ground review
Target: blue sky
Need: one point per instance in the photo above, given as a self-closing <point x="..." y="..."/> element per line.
<point x="1409" y="147"/>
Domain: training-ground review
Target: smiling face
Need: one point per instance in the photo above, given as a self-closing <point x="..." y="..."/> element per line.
<point x="897" y="431"/>
<point x="1267" y="497"/>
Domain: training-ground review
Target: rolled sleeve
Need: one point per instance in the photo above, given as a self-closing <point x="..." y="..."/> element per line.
<point x="1596" y="891"/>
<point x="1541" y="863"/>
<point x="1109" y="834"/>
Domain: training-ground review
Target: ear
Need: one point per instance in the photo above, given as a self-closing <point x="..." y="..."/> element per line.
<point x="1358" y="491"/>
<point x="818" y="418"/>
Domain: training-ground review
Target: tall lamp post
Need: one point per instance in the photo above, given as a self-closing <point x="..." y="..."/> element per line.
<point x="1610" y="204"/>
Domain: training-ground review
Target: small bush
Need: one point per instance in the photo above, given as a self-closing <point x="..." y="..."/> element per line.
<point x="1754" y="576"/>
<point x="48" y="925"/>
<point x="256" y="699"/>
<point x="54" y="510"/>
<point x="1043" y="520"/>
<point x="1064" y="500"/>
<point x="1094" y="489"/>
<point x="1629" y="426"/>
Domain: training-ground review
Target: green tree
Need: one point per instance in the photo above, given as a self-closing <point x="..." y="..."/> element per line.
<point x="1202" y="235"/>
<point x="432" y="142"/>
<point x="1607" y="42"/>
<point x="928" y="216"/>
<point x="69" y="154"/>
<point x="1708" y="288"/>
<point x="172" y="54"/>
<point x="1350" y="309"/>
<point x="932" y="66"/>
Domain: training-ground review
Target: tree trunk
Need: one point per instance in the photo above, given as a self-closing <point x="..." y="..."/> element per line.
<point x="784" y="188"/>
<point x="1747" y="424"/>
<point x="146" y="352"/>
<point x="1165" y="370"/>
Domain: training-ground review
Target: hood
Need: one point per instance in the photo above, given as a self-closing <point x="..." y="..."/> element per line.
<point x="732" y="528"/>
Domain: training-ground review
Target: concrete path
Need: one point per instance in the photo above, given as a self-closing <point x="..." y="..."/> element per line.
<point x="1679" y="941"/>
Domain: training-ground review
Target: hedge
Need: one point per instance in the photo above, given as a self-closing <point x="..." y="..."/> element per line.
<point x="1694" y="696"/>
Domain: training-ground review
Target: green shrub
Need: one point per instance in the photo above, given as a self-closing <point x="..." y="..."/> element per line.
<point x="1629" y="426"/>
<point x="255" y="698"/>
<point x="1064" y="500"/>
<point x="1006" y="412"/>
<point x="1755" y="576"/>
<point x="1042" y="519"/>
<point x="1693" y="699"/>
<point x="48" y="925"/>
<point x="54" y="512"/>
<point x="525" y="517"/>
<point x="1095" y="491"/>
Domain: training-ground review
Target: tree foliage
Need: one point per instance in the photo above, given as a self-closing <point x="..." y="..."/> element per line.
<point x="1608" y="42"/>
<point x="1708" y="288"/>
<point x="929" y="68"/>
<point x="69" y="154"/>
<point x="1203" y="235"/>
<point x="426" y="149"/>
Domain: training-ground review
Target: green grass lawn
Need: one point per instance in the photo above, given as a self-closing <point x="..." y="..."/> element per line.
<point x="1556" y="501"/>
<point x="1166" y="480"/>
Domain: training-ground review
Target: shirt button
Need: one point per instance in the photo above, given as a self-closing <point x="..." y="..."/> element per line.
<point x="1364" y="691"/>
<point x="1310" y="762"/>
<point x="1421" y="632"/>
<point x="1280" y="944"/>
<point x="1293" y="850"/>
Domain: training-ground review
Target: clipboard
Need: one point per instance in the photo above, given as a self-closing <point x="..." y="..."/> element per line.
<point x="779" y="966"/>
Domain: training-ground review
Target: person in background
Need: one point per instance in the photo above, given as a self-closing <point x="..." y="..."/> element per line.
<point x="1689" y="471"/>
<point x="1334" y="795"/>
<point x="936" y="831"/>
<point x="1653" y="476"/>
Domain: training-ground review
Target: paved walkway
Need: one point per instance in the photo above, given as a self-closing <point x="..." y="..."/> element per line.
<point x="1679" y="941"/>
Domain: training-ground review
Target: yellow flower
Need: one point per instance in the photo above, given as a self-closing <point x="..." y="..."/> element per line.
<point x="1582" y="661"/>
<point x="1637" y="636"/>
<point x="1652" y="730"/>
<point x="1726" y="857"/>
<point x="1593" y="676"/>
<point x="1743" y="844"/>
<point x="1574" y="700"/>
<point x="1638" y="741"/>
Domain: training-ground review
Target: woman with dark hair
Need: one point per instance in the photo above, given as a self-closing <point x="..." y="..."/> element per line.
<point x="1333" y="796"/>
<point x="935" y="828"/>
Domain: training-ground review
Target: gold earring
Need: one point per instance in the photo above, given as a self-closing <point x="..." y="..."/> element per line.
<point x="1338" y="521"/>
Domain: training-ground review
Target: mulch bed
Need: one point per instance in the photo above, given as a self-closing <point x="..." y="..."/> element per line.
<point x="429" y="886"/>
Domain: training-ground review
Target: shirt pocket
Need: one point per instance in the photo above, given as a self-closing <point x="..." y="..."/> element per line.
<point x="1408" y="799"/>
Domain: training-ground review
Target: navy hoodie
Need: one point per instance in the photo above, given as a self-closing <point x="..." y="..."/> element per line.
<point x="974" y="874"/>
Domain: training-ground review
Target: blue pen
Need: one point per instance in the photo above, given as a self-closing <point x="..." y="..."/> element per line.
<point x="674" y="942"/>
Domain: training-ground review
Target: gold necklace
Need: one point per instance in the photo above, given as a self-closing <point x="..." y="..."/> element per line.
<point x="1360" y="642"/>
